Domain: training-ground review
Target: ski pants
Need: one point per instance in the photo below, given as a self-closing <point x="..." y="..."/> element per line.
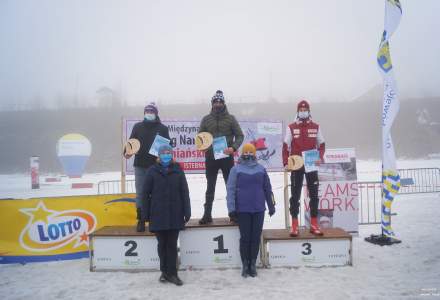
<point x="212" y="168"/>
<point x="250" y="226"/>
<point x="296" y="182"/>
<point x="140" y="175"/>
<point x="167" y="250"/>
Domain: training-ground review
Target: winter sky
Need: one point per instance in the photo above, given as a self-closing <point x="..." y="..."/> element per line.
<point x="182" y="51"/>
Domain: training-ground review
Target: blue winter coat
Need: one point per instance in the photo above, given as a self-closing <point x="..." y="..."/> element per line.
<point x="167" y="203"/>
<point x="248" y="188"/>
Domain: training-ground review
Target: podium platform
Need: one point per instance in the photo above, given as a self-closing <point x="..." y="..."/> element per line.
<point x="279" y="249"/>
<point x="214" y="245"/>
<point x="115" y="248"/>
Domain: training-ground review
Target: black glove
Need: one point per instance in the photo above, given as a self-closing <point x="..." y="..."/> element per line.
<point x="186" y="218"/>
<point x="233" y="217"/>
<point x="271" y="212"/>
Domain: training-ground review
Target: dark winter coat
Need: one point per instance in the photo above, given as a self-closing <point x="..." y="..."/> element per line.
<point x="145" y="132"/>
<point x="249" y="188"/>
<point x="222" y="124"/>
<point x="167" y="204"/>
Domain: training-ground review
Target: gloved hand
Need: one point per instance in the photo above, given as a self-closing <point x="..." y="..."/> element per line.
<point x="187" y="218"/>
<point x="271" y="212"/>
<point x="233" y="217"/>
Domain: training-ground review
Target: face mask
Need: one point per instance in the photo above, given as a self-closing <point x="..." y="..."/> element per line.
<point x="248" y="157"/>
<point x="149" y="117"/>
<point x="303" y="114"/>
<point x="165" y="158"/>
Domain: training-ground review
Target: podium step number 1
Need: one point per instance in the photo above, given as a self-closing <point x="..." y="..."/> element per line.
<point x="210" y="246"/>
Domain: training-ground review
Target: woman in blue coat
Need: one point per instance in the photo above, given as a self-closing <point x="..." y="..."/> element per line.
<point x="167" y="207"/>
<point x="248" y="190"/>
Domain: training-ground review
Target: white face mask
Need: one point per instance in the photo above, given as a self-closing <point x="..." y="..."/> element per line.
<point x="149" y="117"/>
<point x="303" y="114"/>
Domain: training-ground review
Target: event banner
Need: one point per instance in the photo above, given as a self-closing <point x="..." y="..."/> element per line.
<point x="267" y="136"/>
<point x="338" y="191"/>
<point x="44" y="229"/>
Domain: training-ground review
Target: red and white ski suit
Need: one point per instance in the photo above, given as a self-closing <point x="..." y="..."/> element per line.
<point x="303" y="135"/>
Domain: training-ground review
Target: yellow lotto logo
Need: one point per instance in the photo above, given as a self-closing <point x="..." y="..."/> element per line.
<point x="48" y="229"/>
<point x="53" y="228"/>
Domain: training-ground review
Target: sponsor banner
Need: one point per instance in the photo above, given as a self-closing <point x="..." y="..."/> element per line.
<point x="43" y="229"/>
<point x="267" y="137"/>
<point x="339" y="155"/>
<point x="338" y="191"/>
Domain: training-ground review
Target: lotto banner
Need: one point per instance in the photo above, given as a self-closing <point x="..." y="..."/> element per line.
<point x="338" y="191"/>
<point x="44" y="229"/>
<point x="267" y="136"/>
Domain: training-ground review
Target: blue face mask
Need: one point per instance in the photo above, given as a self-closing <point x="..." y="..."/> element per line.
<point x="248" y="157"/>
<point x="149" y="117"/>
<point x="165" y="159"/>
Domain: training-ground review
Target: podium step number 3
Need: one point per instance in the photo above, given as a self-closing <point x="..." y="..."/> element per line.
<point x="332" y="249"/>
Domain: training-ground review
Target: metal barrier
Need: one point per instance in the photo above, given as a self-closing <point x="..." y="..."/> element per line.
<point x="420" y="180"/>
<point x="370" y="202"/>
<point x="114" y="187"/>
<point x="414" y="181"/>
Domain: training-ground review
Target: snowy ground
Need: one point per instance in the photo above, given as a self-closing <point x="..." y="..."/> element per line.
<point x="410" y="270"/>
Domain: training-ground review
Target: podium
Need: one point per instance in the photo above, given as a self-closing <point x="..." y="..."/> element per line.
<point x="214" y="245"/>
<point x="122" y="248"/>
<point x="279" y="249"/>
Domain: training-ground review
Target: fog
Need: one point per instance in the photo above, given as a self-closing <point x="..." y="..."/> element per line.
<point x="58" y="53"/>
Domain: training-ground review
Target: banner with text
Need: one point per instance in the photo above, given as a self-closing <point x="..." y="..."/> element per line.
<point x="267" y="136"/>
<point x="44" y="229"/>
<point x="338" y="191"/>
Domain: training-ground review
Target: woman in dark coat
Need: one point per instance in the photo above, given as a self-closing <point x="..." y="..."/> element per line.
<point x="167" y="207"/>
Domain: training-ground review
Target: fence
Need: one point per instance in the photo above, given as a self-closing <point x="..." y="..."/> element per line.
<point x="417" y="180"/>
<point x="370" y="202"/>
<point x="413" y="181"/>
<point x="114" y="187"/>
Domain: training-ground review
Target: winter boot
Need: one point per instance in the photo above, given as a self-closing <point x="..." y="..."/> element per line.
<point x="174" y="279"/>
<point x="294" y="230"/>
<point x="207" y="218"/>
<point x="163" y="278"/>
<point x="140" y="227"/>
<point x="253" y="268"/>
<point x="314" y="227"/>
<point x="245" y="269"/>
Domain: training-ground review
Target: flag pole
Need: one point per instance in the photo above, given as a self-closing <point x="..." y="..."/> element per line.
<point x="390" y="108"/>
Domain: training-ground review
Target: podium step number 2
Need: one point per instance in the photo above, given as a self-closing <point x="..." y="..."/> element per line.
<point x="122" y="248"/>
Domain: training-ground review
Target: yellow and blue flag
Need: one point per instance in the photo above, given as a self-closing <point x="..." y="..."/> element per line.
<point x="390" y="108"/>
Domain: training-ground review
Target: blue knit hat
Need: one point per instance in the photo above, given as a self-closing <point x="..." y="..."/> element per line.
<point x="164" y="148"/>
